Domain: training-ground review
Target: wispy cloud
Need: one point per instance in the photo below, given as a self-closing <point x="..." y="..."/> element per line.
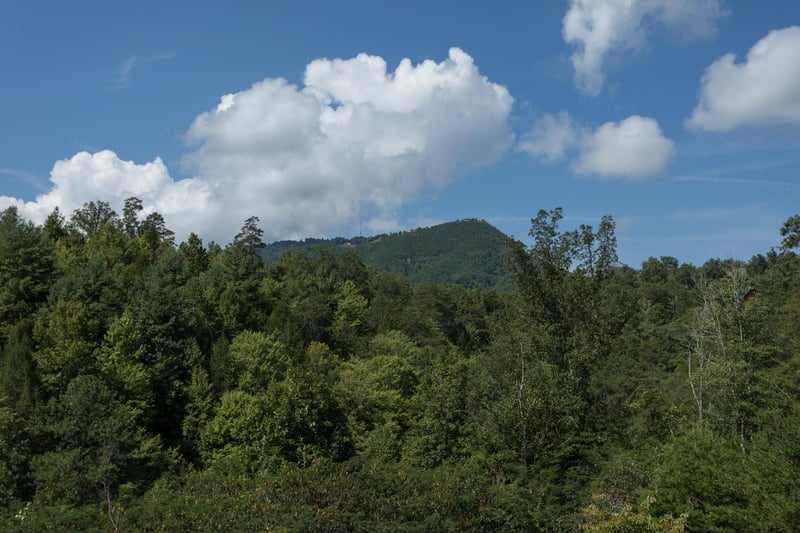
<point x="725" y="213"/>
<point x="735" y="181"/>
<point x="763" y="235"/>
<point x="121" y="76"/>
<point x="625" y="223"/>
<point x="160" y="56"/>
<point x="26" y="177"/>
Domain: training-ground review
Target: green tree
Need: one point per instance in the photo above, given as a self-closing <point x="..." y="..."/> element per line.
<point x="790" y="231"/>
<point x="93" y="437"/>
<point x="532" y="409"/>
<point x="721" y="358"/>
<point x="130" y="216"/>
<point x="90" y="218"/>
<point x="54" y="227"/>
<point x="233" y="439"/>
<point x="306" y="422"/>
<point x="66" y="344"/>
<point x="193" y="253"/>
<point x="199" y="411"/>
<point x="376" y="392"/>
<point x="259" y="360"/>
<point x="154" y="232"/>
<point x="561" y="278"/>
<point x="122" y="361"/>
<point x="348" y="319"/>
<point x="15" y="454"/>
<point x="297" y="419"/>
<point x="18" y="380"/>
<point x="230" y="289"/>
<point x="706" y="479"/>
<point x="249" y="237"/>
<point x="26" y="268"/>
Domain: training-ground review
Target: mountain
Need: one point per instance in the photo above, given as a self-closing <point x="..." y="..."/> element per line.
<point x="465" y="252"/>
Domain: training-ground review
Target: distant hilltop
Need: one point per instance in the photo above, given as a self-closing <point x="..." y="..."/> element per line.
<point x="467" y="252"/>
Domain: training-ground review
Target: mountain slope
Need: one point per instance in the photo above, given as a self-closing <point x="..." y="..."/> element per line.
<point x="465" y="252"/>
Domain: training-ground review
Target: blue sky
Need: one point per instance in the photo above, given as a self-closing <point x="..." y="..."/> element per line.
<point x="680" y="118"/>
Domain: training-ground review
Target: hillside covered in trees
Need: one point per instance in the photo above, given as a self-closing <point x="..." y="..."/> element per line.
<point x="148" y="385"/>
<point x="465" y="252"/>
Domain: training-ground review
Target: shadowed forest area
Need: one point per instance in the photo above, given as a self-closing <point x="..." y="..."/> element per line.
<point x="149" y="385"/>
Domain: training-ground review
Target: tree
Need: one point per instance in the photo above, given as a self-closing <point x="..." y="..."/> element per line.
<point x="199" y="410"/>
<point x="260" y="360"/>
<point x="706" y="480"/>
<point x="351" y="308"/>
<point x="193" y="253"/>
<point x="121" y="358"/>
<point x="250" y="236"/>
<point x="722" y="359"/>
<point x="561" y="278"/>
<point x="162" y="322"/>
<point x="376" y="390"/>
<point x="66" y="345"/>
<point x="790" y="231"/>
<point x="15" y="454"/>
<point x="230" y="289"/>
<point x="54" y="226"/>
<point x="93" y="216"/>
<point x="532" y="411"/>
<point x="93" y="437"/>
<point x="297" y="420"/>
<point x="602" y="516"/>
<point x="26" y="268"/>
<point x="17" y="373"/>
<point x="306" y="422"/>
<point x="130" y="216"/>
<point x="155" y="233"/>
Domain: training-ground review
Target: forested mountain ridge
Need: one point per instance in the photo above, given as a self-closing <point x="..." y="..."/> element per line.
<point x="465" y="252"/>
<point x="148" y="385"/>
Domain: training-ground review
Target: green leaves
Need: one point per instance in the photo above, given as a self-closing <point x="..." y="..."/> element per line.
<point x="26" y="268"/>
<point x="249" y="237"/>
<point x="92" y="217"/>
<point x="348" y="319"/>
<point x="297" y="419"/>
<point x="94" y="434"/>
<point x="15" y="454"/>
<point x="319" y="394"/>
<point x="790" y="231"/>
<point x="260" y="360"/>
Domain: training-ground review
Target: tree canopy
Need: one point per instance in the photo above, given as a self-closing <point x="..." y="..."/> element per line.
<point x="152" y="385"/>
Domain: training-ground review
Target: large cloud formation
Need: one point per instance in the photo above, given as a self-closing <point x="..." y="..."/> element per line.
<point x="634" y="149"/>
<point x="764" y="89"/>
<point x="598" y="28"/>
<point x="353" y="143"/>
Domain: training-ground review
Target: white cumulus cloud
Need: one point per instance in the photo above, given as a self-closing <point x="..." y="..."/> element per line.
<point x="633" y="149"/>
<point x="551" y="137"/>
<point x="764" y="89"/>
<point x="598" y="28"/>
<point x="353" y="143"/>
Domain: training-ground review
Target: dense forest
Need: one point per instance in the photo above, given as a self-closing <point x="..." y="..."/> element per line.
<point x="148" y="385"/>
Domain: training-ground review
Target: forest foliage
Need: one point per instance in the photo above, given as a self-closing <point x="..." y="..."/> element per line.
<point x="149" y="385"/>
